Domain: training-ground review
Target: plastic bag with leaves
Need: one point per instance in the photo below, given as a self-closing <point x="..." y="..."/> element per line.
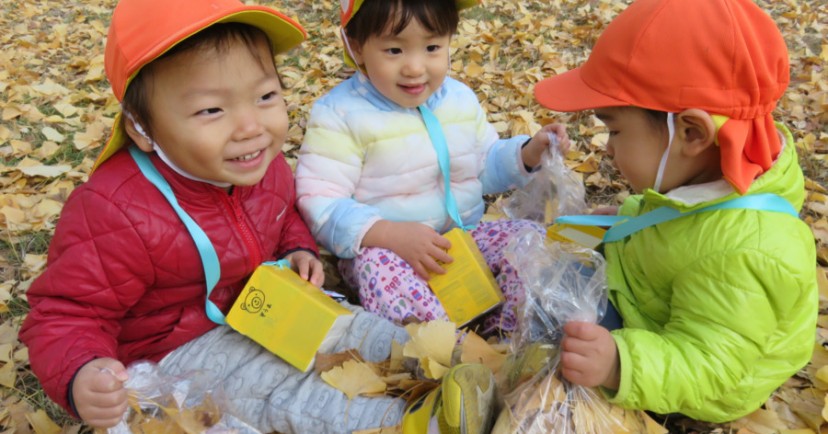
<point x="192" y="403"/>
<point x="553" y="191"/>
<point x="564" y="282"/>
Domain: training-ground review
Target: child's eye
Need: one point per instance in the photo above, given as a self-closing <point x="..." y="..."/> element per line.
<point x="612" y="133"/>
<point x="270" y="96"/>
<point x="432" y="48"/>
<point x="209" y="111"/>
<point x="394" y="51"/>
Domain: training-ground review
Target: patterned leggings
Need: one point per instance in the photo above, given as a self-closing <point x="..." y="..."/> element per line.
<point x="389" y="287"/>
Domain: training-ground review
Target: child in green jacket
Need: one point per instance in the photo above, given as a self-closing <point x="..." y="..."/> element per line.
<point x="719" y="305"/>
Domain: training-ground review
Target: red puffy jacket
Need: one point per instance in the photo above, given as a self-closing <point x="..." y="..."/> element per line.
<point x="124" y="278"/>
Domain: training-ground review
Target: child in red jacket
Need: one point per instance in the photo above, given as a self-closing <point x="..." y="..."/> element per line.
<point x="196" y="156"/>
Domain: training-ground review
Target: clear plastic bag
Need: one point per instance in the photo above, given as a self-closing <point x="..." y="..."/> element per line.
<point x="189" y="404"/>
<point x="564" y="282"/>
<point x="553" y="191"/>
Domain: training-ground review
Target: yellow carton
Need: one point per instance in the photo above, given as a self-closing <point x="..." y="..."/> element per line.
<point x="587" y="236"/>
<point x="468" y="289"/>
<point x="287" y="315"/>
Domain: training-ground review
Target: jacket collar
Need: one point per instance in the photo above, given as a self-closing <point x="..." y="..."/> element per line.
<point x="363" y="86"/>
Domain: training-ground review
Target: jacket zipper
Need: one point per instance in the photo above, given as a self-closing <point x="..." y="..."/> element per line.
<point x="233" y="205"/>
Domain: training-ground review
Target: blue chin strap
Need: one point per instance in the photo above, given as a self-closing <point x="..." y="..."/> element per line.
<point x="209" y="258"/>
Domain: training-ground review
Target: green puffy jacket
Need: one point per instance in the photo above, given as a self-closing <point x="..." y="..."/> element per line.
<point x="719" y="307"/>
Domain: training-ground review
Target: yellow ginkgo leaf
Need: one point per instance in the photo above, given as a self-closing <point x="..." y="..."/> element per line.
<point x="476" y="350"/>
<point x="42" y="423"/>
<point x="354" y="378"/>
<point x="395" y="361"/>
<point x="432" y="368"/>
<point x="433" y="339"/>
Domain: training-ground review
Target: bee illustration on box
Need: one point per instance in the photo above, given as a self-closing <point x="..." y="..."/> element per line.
<point x="254" y="300"/>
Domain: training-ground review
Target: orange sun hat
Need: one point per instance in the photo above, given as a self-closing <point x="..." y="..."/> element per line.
<point x="726" y="57"/>
<point x="143" y="30"/>
<point x="350" y="8"/>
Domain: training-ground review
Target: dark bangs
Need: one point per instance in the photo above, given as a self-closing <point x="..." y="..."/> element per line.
<point x="377" y="17"/>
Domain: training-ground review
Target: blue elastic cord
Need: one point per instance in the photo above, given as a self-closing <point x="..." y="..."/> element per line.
<point x="438" y="139"/>
<point x="625" y="226"/>
<point x="209" y="259"/>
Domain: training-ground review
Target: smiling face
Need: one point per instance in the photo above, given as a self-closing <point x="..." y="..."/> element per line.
<point x="406" y="67"/>
<point x="217" y="111"/>
<point x="635" y="144"/>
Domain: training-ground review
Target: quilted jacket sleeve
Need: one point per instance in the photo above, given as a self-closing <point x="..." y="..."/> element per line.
<point x="329" y="167"/>
<point x="97" y="268"/>
<point x="503" y="168"/>
<point x="727" y="311"/>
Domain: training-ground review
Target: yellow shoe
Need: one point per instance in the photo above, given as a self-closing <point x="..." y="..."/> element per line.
<point x="464" y="403"/>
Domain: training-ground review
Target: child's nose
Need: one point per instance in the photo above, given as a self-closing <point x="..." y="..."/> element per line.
<point x="414" y="67"/>
<point x="248" y="124"/>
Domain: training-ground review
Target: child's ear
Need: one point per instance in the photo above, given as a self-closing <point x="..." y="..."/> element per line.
<point x="696" y="129"/>
<point x="137" y="134"/>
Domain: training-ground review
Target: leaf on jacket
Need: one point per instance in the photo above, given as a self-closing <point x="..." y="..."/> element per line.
<point x="354" y="378"/>
<point x="326" y="362"/>
<point x="432" y="343"/>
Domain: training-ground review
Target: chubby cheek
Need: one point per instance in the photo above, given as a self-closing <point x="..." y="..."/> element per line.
<point x="279" y="130"/>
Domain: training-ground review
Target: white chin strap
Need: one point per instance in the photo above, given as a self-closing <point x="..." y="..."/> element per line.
<point x="671" y="131"/>
<point x="348" y="46"/>
<point x="166" y="159"/>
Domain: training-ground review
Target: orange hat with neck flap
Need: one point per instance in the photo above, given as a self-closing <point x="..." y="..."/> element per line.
<point x="726" y="57"/>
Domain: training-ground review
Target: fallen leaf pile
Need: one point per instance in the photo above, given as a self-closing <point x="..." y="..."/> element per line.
<point x="56" y="110"/>
<point x="536" y="400"/>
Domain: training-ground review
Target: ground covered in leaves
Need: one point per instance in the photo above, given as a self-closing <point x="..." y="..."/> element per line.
<point x="56" y="110"/>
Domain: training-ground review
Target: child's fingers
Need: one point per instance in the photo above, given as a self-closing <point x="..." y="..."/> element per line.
<point x="442" y="242"/>
<point x="432" y="266"/>
<point x="581" y="330"/>
<point x="317" y="274"/>
<point x="441" y="256"/>
<point x="105" y="417"/>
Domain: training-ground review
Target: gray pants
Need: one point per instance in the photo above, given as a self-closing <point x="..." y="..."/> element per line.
<point x="271" y="395"/>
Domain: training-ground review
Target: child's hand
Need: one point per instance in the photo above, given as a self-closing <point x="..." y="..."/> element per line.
<point x="307" y="266"/>
<point x="417" y="244"/>
<point x="532" y="152"/>
<point x="589" y="356"/>
<point x="99" y="393"/>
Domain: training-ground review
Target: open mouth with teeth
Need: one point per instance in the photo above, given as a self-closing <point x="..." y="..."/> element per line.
<point x="247" y="157"/>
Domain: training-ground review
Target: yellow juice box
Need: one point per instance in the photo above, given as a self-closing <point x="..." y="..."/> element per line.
<point x="468" y="289"/>
<point x="586" y="236"/>
<point x="287" y="315"/>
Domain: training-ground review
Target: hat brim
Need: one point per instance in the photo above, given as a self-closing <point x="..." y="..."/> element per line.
<point x="568" y="92"/>
<point x="283" y="32"/>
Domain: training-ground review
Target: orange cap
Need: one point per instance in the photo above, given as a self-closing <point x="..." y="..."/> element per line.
<point x="143" y="30"/>
<point x="350" y="8"/>
<point x="726" y="57"/>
